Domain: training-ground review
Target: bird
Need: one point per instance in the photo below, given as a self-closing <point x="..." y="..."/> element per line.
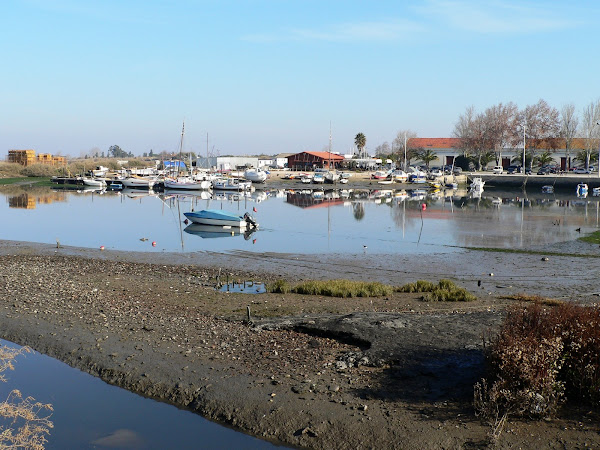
<point x="143" y="239"/>
<point x="578" y="230"/>
<point x="364" y="248"/>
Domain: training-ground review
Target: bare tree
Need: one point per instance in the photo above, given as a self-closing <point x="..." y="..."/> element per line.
<point x="591" y="129"/>
<point x="401" y="141"/>
<point x="472" y="130"/>
<point x="568" y="129"/>
<point x="500" y="127"/>
<point x="542" y="127"/>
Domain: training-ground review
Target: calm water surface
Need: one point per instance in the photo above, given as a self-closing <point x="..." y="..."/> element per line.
<point x="297" y="221"/>
<point x="88" y="413"/>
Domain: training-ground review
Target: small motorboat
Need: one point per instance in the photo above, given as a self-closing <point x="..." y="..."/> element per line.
<point x="94" y="182"/>
<point x="596" y="191"/>
<point x="477" y="184"/>
<point x="255" y="175"/>
<point x="232" y="184"/>
<point x="221" y="218"/>
<point x="186" y="183"/>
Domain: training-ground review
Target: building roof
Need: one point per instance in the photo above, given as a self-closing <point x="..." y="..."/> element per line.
<point x="324" y="155"/>
<point x="433" y="143"/>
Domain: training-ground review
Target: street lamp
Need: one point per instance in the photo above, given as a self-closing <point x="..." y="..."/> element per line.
<point x="598" y="164"/>
<point x="523" y="167"/>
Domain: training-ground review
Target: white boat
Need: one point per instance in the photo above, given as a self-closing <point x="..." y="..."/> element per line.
<point x="221" y="218"/>
<point x="99" y="171"/>
<point x="547" y="189"/>
<point x="331" y="177"/>
<point x="136" y="182"/>
<point x="217" y="231"/>
<point x="380" y="175"/>
<point x="232" y="184"/>
<point x="187" y="183"/>
<point x="318" y="178"/>
<point x="582" y="190"/>
<point x="399" y="175"/>
<point x="306" y="179"/>
<point x="255" y="175"/>
<point x="596" y="191"/>
<point x="477" y="184"/>
<point x="94" y="182"/>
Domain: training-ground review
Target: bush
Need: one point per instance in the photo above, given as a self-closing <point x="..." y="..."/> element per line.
<point x="539" y="356"/>
<point x="343" y="288"/>
<point x="444" y="291"/>
<point x="279" y="287"/>
<point x="40" y="170"/>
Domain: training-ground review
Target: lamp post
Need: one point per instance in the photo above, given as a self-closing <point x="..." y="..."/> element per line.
<point x="598" y="164"/>
<point x="523" y="168"/>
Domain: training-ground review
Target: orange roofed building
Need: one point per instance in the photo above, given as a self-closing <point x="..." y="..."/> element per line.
<point x="313" y="160"/>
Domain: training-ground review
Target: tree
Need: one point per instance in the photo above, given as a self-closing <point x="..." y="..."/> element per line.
<point x="568" y="129"/>
<point x="116" y="152"/>
<point x="542" y="126"/>
<point x="500" y="128"/>
<point x="383" y="150"/>
<point x="360" y="141"/>
<point x="545" y="158"/>
<point x="427" y="156"/>
<point x="404" y="137"/>
<point x="591" y="130"/>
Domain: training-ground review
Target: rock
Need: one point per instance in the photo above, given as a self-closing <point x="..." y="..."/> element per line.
<point x="341" y="365"/>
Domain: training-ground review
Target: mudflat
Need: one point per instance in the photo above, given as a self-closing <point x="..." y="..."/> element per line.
<point x="304" y="371"/>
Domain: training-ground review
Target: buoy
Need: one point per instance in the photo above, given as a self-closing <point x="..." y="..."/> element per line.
<point x="424" y="206"/>
<point x="153" y="243"/>
<point x="254" y="241"/>
<point x="102" y="247"/>
<point x="254" y="209"/>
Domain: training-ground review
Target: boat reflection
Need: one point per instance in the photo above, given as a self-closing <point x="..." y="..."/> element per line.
<point x="215" y="231"/>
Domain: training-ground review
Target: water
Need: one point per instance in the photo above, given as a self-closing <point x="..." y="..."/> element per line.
<point x="295" y="221"/>
<point x="89" y="413"/>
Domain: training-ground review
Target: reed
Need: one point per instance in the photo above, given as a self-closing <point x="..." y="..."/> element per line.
<point x="333" y="288"/>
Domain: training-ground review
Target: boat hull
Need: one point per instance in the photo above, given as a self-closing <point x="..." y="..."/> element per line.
<point x="216" y="217"/>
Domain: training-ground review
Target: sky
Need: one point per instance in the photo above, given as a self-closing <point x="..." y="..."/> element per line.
<point x="279" y="76"/>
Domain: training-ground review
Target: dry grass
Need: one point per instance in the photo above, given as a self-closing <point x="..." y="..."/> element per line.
<point x="444" y="291"/>
<point x="333" y="288"/>
<point x="521" y="297"/>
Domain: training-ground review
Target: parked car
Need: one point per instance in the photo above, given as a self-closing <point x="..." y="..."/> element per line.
<point x="581" y="170"/>
<point x="513" y="169"/>
<point x="498" y="169"/>
<point x="544" y="171"/>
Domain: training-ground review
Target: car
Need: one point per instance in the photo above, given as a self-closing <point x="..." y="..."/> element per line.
<point x="581" y="170"/>
<point x="513" y="169"/>
<point x="498" y="169"/>
<point x="543" y="171"/>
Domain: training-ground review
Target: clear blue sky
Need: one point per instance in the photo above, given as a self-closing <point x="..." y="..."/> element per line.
<point x="270" y="76"/>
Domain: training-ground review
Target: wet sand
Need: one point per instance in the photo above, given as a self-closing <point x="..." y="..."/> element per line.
<point x="307" y="371"/>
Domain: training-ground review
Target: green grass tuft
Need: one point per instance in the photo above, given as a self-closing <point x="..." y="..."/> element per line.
<point x="444" y="291"/>
<point x="592" y="238"/>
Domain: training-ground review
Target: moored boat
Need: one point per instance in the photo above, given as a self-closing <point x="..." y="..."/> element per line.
<point x="255" y="175"/>
<point x="221" y="218"/>
<point x="582" y="190"/>
<point x="137" y="182"/>
<point x="187" y="183"/>
<point x="232" y="184"/>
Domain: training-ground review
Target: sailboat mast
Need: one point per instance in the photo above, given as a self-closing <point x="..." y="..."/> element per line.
<point x="181" y="147"/>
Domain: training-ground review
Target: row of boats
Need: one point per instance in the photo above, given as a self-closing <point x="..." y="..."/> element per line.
<point x="198" y="181"/>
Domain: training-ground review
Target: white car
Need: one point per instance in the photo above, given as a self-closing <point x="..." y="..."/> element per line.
<point x="498" y="169"/>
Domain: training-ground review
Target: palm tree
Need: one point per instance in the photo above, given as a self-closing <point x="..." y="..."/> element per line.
<point x="426" y="156"/>
<point x="360" y="140"/>
<point x="545" y="158"/>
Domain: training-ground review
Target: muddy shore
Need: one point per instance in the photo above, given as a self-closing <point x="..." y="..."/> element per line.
<point x="311" y="372"/>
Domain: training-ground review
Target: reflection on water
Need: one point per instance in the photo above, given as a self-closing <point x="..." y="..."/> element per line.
<point x="89" y="413"/>
<point x="300" y="221"/>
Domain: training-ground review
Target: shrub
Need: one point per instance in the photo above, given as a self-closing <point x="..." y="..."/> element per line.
<point x="39" y="170"/>
<point x="279" y="287"/>
<point x="444" y="291"/>
<point x="539" y="356"/>
<point x="343" y="288"/>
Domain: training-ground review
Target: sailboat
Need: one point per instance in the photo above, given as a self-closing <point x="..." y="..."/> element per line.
<point x="185" y="182"/>
<point x="329" y="176"/>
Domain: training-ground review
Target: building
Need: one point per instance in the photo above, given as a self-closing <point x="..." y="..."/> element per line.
<point x="313" y="160"/>
<point x="28" y="157"/>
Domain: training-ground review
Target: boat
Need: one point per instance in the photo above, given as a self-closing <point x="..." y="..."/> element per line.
<point x="596" y="191"/>
<point x="217" y="231"/>
<point x="318" y="178"/>
<point x="582" y="190"/>
<point x="137" y="182"/>
<point x="255" y="175"/>
<point x="548" y="189"/>
<point x="94" y="182"/>
<point x="399" y="175"/>
<point x="99" y="171"/>
<point x="331" y="177"/>
<point x="221" y="218"/>
<point x="114" y="185"/>
<point x="380" y="175"/>
<point x="306" y="179"/>
<point x="344" y="180"/>
<point x="477" y="184"/>
<point x="232" y="184"/>
<point x="385" y="182"/>
<point x="187" y="183"/>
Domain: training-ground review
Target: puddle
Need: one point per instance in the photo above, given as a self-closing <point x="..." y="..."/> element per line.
<point x="245" y="287"/>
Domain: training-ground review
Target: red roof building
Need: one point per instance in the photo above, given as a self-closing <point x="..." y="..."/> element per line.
<point x="313" y="160"/>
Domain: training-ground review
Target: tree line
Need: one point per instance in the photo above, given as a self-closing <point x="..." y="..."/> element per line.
<point x="504" y="129"/>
